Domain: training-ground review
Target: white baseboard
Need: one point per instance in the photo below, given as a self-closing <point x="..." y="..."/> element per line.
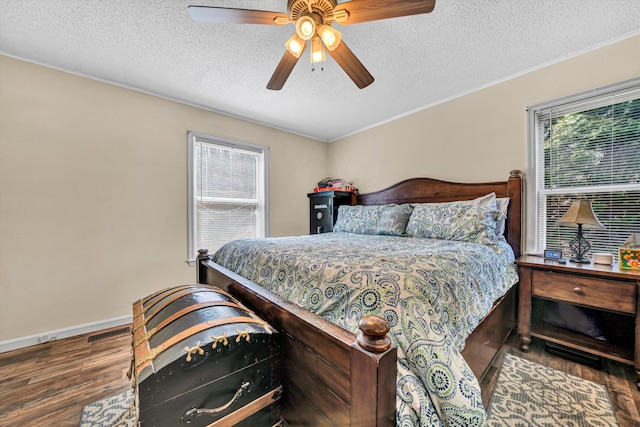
<point x="63" y="333"/>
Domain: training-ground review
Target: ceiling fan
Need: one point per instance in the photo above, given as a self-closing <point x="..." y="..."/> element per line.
<point x="313" y="20"/>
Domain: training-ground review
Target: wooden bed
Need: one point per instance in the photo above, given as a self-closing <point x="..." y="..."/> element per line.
<point x="333" y="377"/>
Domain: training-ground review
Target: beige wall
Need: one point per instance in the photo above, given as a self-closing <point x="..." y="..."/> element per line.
<point x="93" y="177"/>
<point x="477" y="137"/>
<point x="93" y="195"/>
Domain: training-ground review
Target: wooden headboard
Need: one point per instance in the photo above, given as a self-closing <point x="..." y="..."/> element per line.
<point x="428" y="190"/>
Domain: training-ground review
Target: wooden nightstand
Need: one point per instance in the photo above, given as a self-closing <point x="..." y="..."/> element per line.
<point x="611" y="291"/>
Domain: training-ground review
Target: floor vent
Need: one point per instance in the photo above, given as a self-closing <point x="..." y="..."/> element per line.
<point x="109" y="334"/>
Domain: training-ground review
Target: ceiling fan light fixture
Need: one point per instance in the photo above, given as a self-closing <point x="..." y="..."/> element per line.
<point x="306" y="27"/>
<point x="317" y="52"/>
<point x="330" y="36"/>
<point x="295" y="45"/>
<point x="313" y="20"/>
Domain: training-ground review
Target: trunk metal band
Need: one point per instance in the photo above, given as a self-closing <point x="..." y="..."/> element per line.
<point x="138" y="306"/>
<point x="142" y="319"/>
<point x="154" y="352"/>
<point x="179" y="314"/>
<point x="190" y="285"/>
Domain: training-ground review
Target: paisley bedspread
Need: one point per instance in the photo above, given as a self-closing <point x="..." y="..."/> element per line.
<point x="432" y="292"/>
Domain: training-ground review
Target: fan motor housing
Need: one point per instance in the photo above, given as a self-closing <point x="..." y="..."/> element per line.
<point x="324" y="8"/>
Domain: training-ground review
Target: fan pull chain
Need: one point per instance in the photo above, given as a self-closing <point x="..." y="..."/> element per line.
<point x="321" y="67"/>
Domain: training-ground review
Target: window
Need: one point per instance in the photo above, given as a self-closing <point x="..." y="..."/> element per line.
<point x="585" y="146"/>
<point x="227" y="192"/>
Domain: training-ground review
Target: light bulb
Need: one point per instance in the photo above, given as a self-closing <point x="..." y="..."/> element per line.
<point x="306" y="27"/>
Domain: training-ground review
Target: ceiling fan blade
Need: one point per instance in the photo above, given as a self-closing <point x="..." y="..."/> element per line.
<point x="284" y="68"/>
<point x="223" y="15"/>
<point x="358" y="11"/>
<point x="351" y="65"/>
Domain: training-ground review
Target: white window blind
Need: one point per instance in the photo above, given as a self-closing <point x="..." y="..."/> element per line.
<point x="227" y="189"/>
<point x="586" y="146"/>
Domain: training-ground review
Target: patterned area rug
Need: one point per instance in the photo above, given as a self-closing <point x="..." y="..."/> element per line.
<point x="529" y="394"/>
<point x="526" y="395"/>
<point x="114" y="411"/>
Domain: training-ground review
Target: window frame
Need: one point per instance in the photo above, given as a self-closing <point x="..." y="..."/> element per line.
<point x="192" y="138"/>
<point x="535" y="165"/>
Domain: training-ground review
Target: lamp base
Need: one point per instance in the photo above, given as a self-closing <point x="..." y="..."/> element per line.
<point x="580" y="260"/>
<point x="579" y="246"/>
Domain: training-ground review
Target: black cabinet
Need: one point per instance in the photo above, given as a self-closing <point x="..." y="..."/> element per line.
<point x="323" y="209"/>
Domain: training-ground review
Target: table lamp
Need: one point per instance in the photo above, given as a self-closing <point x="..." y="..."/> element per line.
<point x="580" y="214"/>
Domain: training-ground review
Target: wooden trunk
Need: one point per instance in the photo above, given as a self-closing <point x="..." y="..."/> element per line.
<point x="202" y="358"/>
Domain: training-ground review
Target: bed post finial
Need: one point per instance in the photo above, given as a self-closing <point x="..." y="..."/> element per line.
<point x="373" y="334"/>
<point x="516" y="173"/>
<point x="203" y="253"/>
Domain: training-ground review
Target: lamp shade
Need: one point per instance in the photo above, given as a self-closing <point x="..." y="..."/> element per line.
<point x="317" y="52"/>
<point x="295" y="45"/>
<point x="330" y="36"/>
<point x="581" y="213"/>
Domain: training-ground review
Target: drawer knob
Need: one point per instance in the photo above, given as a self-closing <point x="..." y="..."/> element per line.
<point x="578" y="290"/>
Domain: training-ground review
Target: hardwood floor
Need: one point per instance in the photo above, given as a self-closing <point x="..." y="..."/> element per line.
<point x="48" y="384"/>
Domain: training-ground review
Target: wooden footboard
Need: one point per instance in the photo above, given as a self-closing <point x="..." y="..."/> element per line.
<point x="328" y="376"/>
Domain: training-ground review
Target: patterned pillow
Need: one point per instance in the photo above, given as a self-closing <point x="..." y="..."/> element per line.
<point x="357" y="219"/>
<point x="393" y="219"/>
<point x="460" y="221"/>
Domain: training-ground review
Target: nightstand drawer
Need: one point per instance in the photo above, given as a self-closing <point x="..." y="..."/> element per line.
<point x="601" y="293"/>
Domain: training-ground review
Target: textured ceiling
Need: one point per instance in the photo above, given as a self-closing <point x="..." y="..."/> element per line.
<point x="417" y="61"/>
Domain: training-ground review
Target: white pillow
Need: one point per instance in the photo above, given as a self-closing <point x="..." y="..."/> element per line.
<point x="502" y="204"/>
